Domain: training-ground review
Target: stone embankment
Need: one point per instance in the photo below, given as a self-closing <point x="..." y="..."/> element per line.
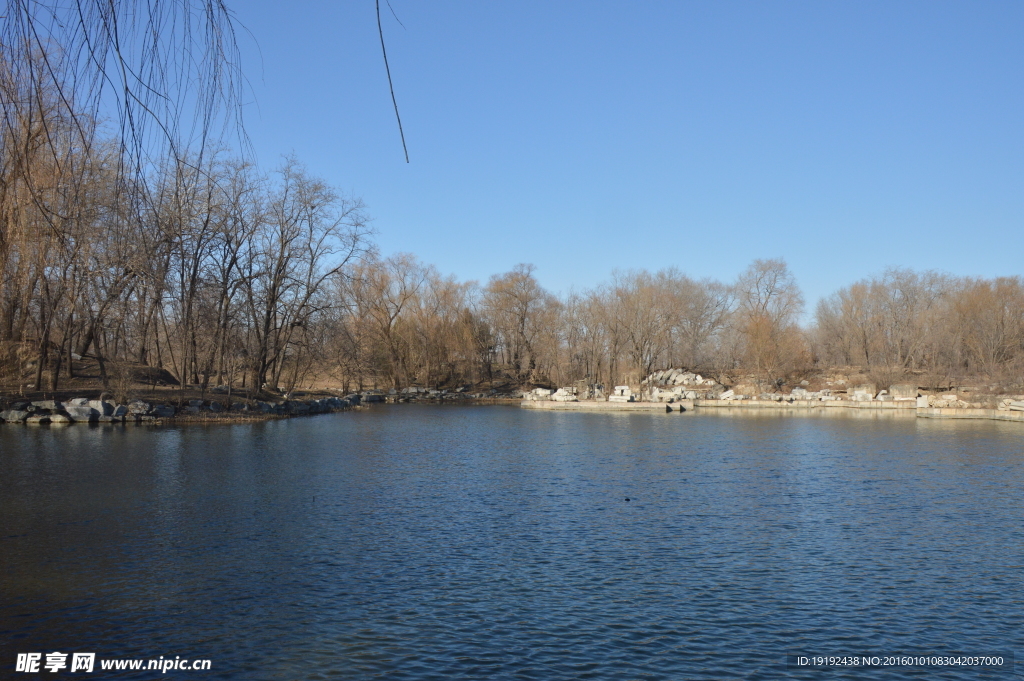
<point x="82" y="410"/>
<point x="679" y="390"/>
<point x="595" y="405"/>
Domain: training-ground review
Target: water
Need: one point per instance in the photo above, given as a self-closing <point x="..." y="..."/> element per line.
<point x="416" y="542"/>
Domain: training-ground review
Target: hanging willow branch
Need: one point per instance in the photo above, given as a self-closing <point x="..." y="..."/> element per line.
<point x="380" y="30"/>
<point x="167" y="71"/>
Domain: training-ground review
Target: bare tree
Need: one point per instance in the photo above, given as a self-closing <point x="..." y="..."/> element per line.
<point x="312" y="235"/>
<point x="514" y="304"/>
<point x="770" y="303"/>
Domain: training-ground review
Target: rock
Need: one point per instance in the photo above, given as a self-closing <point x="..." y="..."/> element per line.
<point x="622" y="394"/>
<point x="82" y="414"/>
<point x="567" y="395"/>
<point x="903" y="390"/>
<point x="138" y="407"/>
<point x="14" y="416"/>
<point x="163" y="411"/>
<point x="237" y="406"/>
<point x="38" y="420"/>
<point x="867" y="388"/>
<point x="196" y="404"/>
<point x="216" y="407"/>
<point x="49" y="405"/>
<point x="60" y="418"/>
<point x="120" y="411"/>
<point x="103" y="408"/>
<point x="77" y="402"/>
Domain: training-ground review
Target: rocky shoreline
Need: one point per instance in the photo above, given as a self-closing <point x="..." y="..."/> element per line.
<point x="138" y="411"/>
<point x="685" y="390"/>
<point x="83" y="410"/>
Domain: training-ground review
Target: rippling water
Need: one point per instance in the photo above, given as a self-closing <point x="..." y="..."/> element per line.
<point x="413" y="542"/>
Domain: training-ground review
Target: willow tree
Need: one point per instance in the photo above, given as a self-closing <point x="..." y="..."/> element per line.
<point x="166" y="71"/>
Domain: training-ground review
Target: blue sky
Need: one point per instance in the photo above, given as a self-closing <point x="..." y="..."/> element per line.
<point x="588" y="136"/>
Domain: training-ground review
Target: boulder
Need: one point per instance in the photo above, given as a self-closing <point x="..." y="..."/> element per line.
<point x="14" y="415"/>
<point x="120" y="411"/>
<point x="102" y="407"/>
<point x="196" y="404"/>
<point x="77" y="402"/>
<point x="82" y="414"/>
<point x="216" y="407"/>
<point x="38" y="420"/>
<point x="49" y="405"/>
<point x="903" y="391"/>
<point x="60" y="418"/>
<point x="138" y="407"/>
<point x="163" y="411"/>
<point x="868" y="388"/>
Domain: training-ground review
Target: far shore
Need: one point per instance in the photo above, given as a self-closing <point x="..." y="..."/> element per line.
<point x="908" y="408"/>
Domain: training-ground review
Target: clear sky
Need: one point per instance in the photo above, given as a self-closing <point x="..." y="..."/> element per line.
<point x="582" y="137"/>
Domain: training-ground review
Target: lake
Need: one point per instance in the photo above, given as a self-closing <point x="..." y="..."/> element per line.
<point x="455" y="542"/>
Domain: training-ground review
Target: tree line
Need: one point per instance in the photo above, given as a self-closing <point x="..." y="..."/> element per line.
<point x="218" y="273"/>
<point x="223" y="275"/>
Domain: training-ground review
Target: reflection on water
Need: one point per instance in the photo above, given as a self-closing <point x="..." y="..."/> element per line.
<point x="413" y="542"/>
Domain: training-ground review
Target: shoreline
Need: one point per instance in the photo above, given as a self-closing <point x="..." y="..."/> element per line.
<point x="907" y="408"/>
<point x="902" y="408"/>
<point x="52" y="413"/>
